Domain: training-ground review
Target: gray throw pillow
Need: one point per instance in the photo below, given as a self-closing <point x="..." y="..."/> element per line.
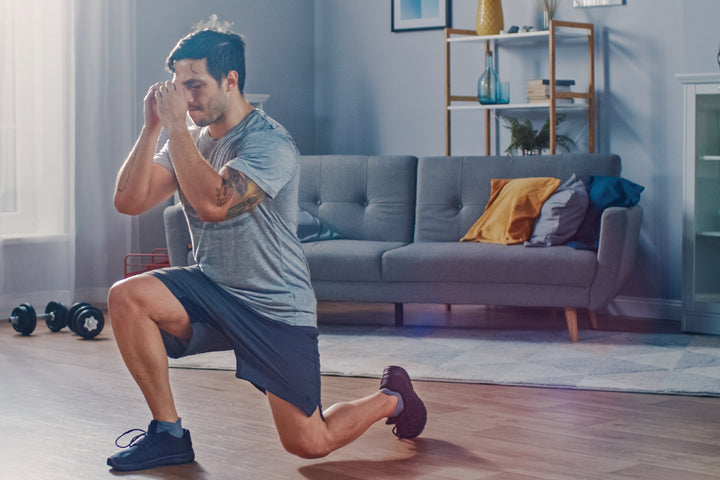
<point x="561" y="215"/>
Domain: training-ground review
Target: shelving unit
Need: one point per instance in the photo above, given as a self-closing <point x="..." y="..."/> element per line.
<point x="701" y="203"/>
<point x="558" y="30"/>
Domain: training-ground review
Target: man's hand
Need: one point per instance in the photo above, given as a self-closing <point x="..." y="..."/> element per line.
<point x="172" y="105"/>
<point x="152" y="121"/>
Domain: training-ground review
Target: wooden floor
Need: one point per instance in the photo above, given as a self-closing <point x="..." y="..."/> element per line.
<point x="64" y="400"/>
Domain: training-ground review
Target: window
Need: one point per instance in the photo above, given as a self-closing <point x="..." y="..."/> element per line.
<point x="36" y="117"/>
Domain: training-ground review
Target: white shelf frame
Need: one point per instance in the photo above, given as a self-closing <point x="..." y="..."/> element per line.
<point x="558" y="30"/>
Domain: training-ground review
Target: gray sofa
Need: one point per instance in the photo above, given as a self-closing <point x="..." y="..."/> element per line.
<point x="401" y="219"/>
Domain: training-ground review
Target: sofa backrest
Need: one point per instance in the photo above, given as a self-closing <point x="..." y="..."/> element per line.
<point x="362" y="197"/>
<point x="452" y="192"/>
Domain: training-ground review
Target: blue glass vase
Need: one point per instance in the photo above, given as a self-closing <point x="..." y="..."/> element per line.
<point x="487" y="83"/>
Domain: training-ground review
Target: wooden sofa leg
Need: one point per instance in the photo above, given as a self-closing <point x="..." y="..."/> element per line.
<point x="593" y="319"/>
<point x="399" y="318"/>
<point x="572" y="323"/>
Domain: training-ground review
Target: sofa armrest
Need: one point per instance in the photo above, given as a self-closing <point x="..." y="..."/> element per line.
<point x="617" y="249"/>
<point x="177" y="235"/>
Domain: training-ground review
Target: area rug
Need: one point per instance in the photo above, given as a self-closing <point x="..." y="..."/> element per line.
<point x="614" y="361"/>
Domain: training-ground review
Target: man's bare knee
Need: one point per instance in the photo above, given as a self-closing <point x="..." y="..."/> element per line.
<point x="145" y="298"/>
<point x="119" y="299"/>
<point x="304" y="446"/>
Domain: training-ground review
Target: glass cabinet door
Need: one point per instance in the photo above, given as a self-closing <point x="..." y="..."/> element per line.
<point x="707" y="199"/>
<point x="701" y="262"/>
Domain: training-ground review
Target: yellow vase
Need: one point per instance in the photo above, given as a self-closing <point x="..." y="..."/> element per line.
<point x="489" y="19"/>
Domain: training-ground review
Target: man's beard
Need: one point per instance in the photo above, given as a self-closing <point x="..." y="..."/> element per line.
<point x="215" y="112"/>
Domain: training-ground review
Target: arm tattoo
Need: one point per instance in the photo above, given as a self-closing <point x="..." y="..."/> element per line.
<point x="123" y="183"/>
<point x="235" y="181"/>
<point x="246" y="204"/>
<point x="224" y="192"/>
<point x="251" y="195"/>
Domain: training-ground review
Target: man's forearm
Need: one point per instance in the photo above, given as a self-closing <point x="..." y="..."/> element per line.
<point x="133" y="180"/>
<point x="197" y="179"/>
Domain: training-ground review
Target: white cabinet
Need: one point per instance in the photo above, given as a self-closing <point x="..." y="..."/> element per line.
<point x="701" y="203"/>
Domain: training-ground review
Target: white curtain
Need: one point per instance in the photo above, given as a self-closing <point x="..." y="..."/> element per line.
<point x="37" y="148"/>
<point x="108" y="110"/>
<point x="8" y="194"/>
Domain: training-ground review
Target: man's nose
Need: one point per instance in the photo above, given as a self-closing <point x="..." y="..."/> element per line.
<point x="185" y="91"/>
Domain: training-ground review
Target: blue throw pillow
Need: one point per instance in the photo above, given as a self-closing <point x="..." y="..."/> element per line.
<point x="603" y="192"/>
<point x="312" y="229"/>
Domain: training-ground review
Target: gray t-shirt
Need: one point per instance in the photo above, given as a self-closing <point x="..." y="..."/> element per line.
<point x="255" y="256"/>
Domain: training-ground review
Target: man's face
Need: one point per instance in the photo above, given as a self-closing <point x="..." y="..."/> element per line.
<point x="206" y="99"/>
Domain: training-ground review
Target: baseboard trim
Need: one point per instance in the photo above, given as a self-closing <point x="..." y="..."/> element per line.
<point x="96" y="296"/>
<point x="38" y="300"/>
<point x="641" y="307"/>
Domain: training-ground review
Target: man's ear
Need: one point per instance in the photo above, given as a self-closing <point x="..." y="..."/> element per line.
<point x="232" y="79"/>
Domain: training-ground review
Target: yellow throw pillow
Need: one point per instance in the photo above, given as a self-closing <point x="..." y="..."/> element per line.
<point x="511" y="212"/>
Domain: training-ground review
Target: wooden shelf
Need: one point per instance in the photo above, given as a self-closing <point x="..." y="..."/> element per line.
<point x="558" y="30"/>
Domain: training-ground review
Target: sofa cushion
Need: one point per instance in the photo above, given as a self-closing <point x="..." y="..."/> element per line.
<point x="347" y="260"/>
<point x="561" y="215"/>
<point x="363" y="197"/>
<point x="452" y="192"/>
<point x="489" y="263"/>
<point x="511" y="212"/>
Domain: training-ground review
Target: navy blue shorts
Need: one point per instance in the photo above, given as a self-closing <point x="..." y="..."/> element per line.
<point x="274" y="356"/>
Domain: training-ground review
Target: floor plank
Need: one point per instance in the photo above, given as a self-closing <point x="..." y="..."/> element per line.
<point x="64" y="400"/>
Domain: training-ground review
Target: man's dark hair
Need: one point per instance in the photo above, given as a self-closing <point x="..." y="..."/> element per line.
<point x="224" y="51"/>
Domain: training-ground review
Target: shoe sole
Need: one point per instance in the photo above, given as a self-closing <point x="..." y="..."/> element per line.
<point x="155" y="462"/>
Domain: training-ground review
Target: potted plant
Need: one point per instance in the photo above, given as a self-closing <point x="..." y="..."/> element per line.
<point x="529" y="141"/>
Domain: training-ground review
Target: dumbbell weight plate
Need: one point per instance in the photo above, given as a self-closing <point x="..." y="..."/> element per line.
<point x="26" y="319"/>
<point x="72" y="313"/>
<point x="59" y="319"/>
<point x="88" y="322"/>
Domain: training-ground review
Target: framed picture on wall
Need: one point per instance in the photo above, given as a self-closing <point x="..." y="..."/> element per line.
<point x="419" y="14"/>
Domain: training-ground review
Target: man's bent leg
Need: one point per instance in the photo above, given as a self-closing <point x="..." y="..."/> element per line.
<point x="311" y="437"/>
<point x="139" y="307"/>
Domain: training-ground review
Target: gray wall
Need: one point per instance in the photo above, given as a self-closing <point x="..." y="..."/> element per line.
<point x="383" y="92"/>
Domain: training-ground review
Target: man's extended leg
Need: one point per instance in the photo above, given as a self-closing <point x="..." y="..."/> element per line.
<point x="311" y="437"/>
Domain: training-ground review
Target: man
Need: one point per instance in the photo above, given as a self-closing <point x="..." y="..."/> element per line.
<point x="250" y="291"/>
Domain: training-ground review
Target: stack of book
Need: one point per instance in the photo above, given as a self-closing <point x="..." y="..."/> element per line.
<point x="538" y="90"/>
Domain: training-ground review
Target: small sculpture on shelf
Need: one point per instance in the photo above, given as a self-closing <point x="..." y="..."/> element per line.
<point x="529" y="141"/>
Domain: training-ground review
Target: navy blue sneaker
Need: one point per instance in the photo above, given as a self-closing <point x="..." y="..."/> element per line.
<point x="410" y="422"/>
<point x="152" y="449"/>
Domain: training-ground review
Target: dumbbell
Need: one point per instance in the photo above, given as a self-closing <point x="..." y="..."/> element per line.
<point x="85" y="320"/>
<point x="24" y="319"/>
